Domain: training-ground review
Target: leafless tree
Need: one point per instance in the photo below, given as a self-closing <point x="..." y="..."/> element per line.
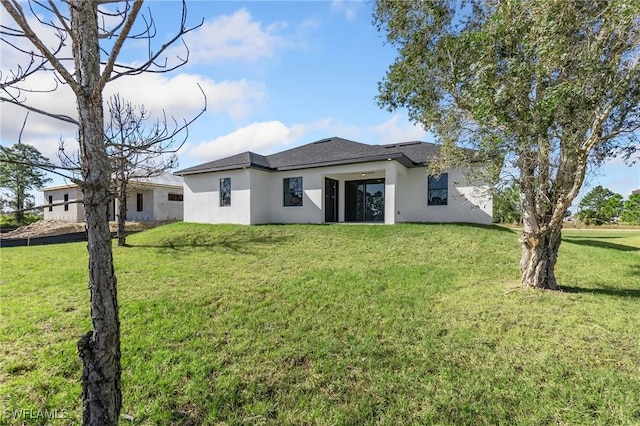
<point x="138" y="151"/>
<point x="139" y="148"/>
<point x="97" y="31"/>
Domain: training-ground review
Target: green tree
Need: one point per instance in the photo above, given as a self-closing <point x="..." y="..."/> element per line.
<point x="600" y="206"/>
<point x="631" y="210"/>
<point x="506" y="205"/>
<point x="543" y="88"/>
<point x="19" y="175"/>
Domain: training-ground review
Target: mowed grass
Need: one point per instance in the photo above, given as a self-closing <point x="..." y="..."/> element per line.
<point x="334" y="325"/>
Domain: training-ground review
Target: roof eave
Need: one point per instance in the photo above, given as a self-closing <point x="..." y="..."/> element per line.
<point x="401" y="158"/>
<point x="187" y="172"/>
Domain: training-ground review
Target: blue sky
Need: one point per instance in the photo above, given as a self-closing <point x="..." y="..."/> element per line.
<point x="276" y="75"/>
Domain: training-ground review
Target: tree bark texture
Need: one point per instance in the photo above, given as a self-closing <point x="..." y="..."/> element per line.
<point x="539" y="257"/>
<point x="99" y="349"/>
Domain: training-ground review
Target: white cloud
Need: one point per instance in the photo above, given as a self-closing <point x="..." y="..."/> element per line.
<point x="262" y="137"/>
<point x="270" y="136"/>
<point x="180" y="96"/>
<point x="350" y="8"/>
<point x="398" y="129"/>
<point x="234" y="37"/>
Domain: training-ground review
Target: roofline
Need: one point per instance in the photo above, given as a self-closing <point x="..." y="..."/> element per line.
<point x="397" y="156"/>
<point x="57" y="187"/>
<point x="165" y="185"/>
<point x="223" y="168"/>
<point x="132" y="182"/>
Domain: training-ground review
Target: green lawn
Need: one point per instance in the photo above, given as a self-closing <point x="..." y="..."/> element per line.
<point x="334" y="325"/>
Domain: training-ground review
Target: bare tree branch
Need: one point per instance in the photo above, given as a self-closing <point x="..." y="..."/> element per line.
<point x="15" y="10"/>
<point x="60" y="117"/>
<point x="106" y="73"/>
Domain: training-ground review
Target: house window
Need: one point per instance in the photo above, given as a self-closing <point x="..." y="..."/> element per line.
<point x="66" y="200"/>
<point x="225" y="192"/>
<point x="50" y="202"/>
<point x="176" y="197"/>
<point x="293" y="191"/>
<point x="438" y="190"/>
<point x="139" y="205"/>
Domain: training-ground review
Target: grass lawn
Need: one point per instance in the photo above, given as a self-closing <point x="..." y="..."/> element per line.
<point x="333" y="325"/>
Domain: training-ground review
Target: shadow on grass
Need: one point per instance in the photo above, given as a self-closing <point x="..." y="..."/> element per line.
<point x="492" y="227"/>
<point x="237" y="243"/>
<point x="606" y="291"/>
<point x="599" y="244"/>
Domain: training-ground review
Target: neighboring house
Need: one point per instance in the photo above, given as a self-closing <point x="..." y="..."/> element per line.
<point x="150" y="199"/>
<point x="332" y="180"/>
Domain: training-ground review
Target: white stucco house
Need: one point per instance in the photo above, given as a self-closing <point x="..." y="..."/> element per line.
<point x="332" y="180"/>
<point x="157" y="198"/>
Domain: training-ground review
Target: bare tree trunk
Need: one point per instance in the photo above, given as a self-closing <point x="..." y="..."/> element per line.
<point x="19" y="214"/>
<point x="122" y="214"/>
<point x="99" y="349"/>
<point x="539" y="257"/>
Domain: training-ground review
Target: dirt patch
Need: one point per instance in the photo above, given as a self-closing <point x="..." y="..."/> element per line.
<point x="43" y="228"/>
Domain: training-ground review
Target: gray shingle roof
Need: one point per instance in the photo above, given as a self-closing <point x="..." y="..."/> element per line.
<point x="325" y="152"/>
<point x="166" y="179"/>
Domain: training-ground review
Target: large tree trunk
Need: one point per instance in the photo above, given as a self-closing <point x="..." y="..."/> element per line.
<point x="539" y="256"/>
<point x="99" y="349"/>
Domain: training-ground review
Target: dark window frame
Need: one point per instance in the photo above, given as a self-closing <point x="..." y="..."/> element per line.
<point x="438" y="190"/>
<point x="66" y="201"/>
<point x="175" y="197"/>
<point x="225" y="192"/>
<point x="292" y="191"/>
<point x="139" y="202"/>
<point x="50" y="198"/>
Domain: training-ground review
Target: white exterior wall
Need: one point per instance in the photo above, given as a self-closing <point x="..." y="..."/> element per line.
<point x="311" y="209"/>
<point x="257" y="196"/>
<point x="202" y="198"/>
<point x="147" y="205"/>
<point x="75" y="211"/>
<point x="155" y="203"/>
<point x="261" y="183"/>
<point x="165" y="209"/>
<point x="466" y="203"/>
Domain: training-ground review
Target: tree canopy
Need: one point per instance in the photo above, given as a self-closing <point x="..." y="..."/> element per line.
<point x="600" y="206"/>
<point x="19" y="175"/>
<point x="631" y="211"/>
<point x="541" y="89"/>
<point x="506" y="205"/>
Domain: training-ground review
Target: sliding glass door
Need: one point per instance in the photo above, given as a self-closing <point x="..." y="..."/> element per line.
<point x="364" y="200"/>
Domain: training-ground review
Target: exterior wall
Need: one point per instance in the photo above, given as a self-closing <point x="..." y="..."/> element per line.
<point x="75" y="211"/>
<point x="147" y="205"/>
<point x="466" y="202"/>
<point x="202" y="198"/>
<point x="261" y="183"/>
<point x="155" y="203"/>
<point x="348" y="173"/>
<point x="164" y="208"/>
<point x="311" y="209"/>
<point x="257" y="196"/>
